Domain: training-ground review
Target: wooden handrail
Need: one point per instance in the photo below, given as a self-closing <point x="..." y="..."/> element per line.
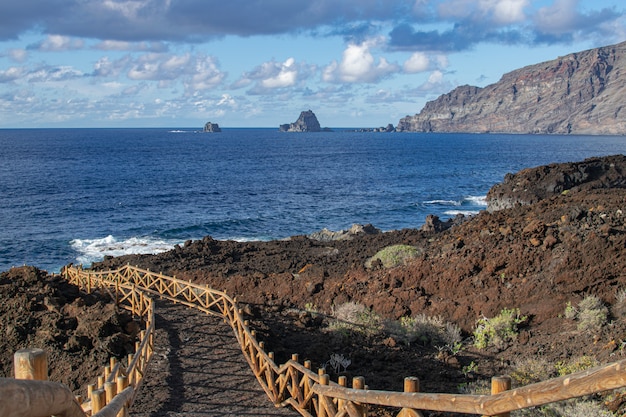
<point x="26" y="398"/>
<point x="311" y="394"/>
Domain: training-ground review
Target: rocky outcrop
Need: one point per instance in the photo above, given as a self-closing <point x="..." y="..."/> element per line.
<point x="580" y="93"/>
<point x="534" y="184"/>
<point x="211" y="128"/>
<point x="307" y="122"/>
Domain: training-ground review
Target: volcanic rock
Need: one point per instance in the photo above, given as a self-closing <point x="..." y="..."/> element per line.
<point x="534" y="184"/>
<point x="211" y="128"/>
<point x="307" y="122"/>
<point x="580" y="93"/>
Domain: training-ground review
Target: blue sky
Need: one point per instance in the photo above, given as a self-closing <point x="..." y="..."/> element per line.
<point x="252" y="63"/>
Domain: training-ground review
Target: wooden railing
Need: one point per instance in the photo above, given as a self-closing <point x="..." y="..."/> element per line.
<point x="116" y="387"/>
<point x="311" y="393"/>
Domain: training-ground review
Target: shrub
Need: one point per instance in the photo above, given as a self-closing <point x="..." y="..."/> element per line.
<point x="531" y="370"/>
<point x="393" y="256"/>
<point x="591" y="313"/>
<point x="578" y="364"/>
<point x="426" y="330"/>
<point x="355" y="316"/>
<point x="498" y="331"/>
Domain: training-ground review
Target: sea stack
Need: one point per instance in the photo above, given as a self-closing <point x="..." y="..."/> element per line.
<point x="307" y="122"/>
<point x="211" y="128"/>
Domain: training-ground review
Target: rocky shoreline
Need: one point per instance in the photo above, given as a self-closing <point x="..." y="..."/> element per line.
<point x="552" y="237"/>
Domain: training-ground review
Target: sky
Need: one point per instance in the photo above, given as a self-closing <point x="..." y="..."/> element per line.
<point x="253" y="63"/>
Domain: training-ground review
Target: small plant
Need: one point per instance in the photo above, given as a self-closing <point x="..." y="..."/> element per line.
<point x="470" y="369"/>
<point x="498" y="331"/>
<point x="480" y="387"/>
<point x="393" y="256"/>
<point x="531" y="370"/>
<point x="337" y="362"/>
<point x="426" y="330"/>
<point x="591" y="313"/>
<point x="578" y="364"/>
<point x="355" y="316"/>
<point x="570" y="311"/>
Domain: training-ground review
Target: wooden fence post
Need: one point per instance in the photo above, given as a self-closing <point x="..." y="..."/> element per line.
<point x="31" y="363"/>
<point x="98" y="400"/>
<point x="110" y="389"/>
<point x="358" y="382"/>
<point x="499" y="384"/>
<point x="411" y="384"/>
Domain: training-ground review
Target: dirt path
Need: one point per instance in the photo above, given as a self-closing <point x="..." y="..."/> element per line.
<point x="198" y="370"/>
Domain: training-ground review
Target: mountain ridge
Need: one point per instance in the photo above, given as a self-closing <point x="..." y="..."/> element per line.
<point x="579" y="93"/>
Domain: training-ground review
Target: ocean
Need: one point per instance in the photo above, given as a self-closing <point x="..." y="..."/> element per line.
<point x="76" y="195"/>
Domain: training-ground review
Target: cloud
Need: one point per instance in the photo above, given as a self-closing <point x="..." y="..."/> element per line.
<point x="274" y="75"/>
<point x="18" y="54"/>
<point x="189" y="20"/>
<point x="488" y="12"/>
<point x="114" y="45"/>
<point x="58" y="43"/>
<point x="11" y="74"/>
<point x="418" y="62"/>
<point x="562" y="21"/>
<point x="49" y="73"/>
<point x="358" y="65"/>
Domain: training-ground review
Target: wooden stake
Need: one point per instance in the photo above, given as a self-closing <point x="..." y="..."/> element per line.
<point x="110" y="389"/>
<point x="499" y="384"/>
<point x="31" y="363"/>
<point x="358" y="382"/>
<point x="411" y="384"/>
<point x="98" y="400"/>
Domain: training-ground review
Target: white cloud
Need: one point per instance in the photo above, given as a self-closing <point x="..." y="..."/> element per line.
<point x="500" y="12"/>
<point x="204" y="75"/>
<point x="11" y="74"/>
<point x="561" y="16"/>
<point x="272" y="75"/>
<point x="114" y="45"/>
<point x="18" y="54"/>
<point x="54" y="74"/>
<point x="58" y="43"/>
<point x="358" y="65"/>
<point x="286" y="77"/>
<point x="418" y="62"/>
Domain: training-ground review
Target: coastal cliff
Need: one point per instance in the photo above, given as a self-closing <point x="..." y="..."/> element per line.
<point x="580" y="93"/>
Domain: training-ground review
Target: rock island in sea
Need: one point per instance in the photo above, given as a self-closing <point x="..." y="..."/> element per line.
<point x="307" y="122"/>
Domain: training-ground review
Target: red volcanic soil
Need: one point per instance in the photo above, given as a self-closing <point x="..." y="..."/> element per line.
<point x="561" y="239"/>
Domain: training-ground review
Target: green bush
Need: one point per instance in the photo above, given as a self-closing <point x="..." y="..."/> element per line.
<point x="498" y="331"/>
<point x="577" y="364"/>
<point x="393" y="256"/>
<point x="590" y="313"/>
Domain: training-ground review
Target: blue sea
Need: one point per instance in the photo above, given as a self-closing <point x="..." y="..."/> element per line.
<point x="76" y="195"/>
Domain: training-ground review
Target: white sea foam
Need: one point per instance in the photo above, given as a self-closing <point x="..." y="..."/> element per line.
<point x="443" y="203"/>
<point x="463" y="212"/>
<point x="93" y="250"/>
<point x="478" y="200"/>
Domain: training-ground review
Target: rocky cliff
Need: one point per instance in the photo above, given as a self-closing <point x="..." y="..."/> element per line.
<point x="307" y="122"/>
<point x="581" y="93"/>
